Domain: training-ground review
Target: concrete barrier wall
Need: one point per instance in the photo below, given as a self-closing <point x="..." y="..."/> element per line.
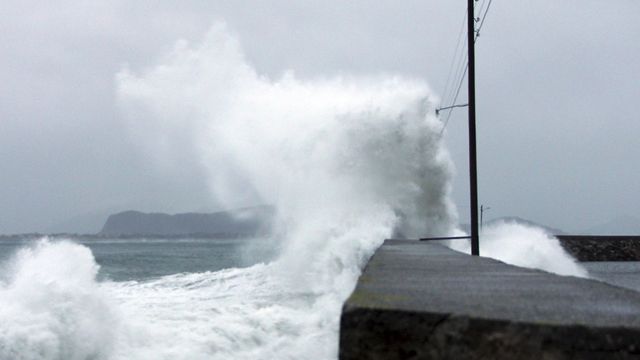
<point x="423" y="301"/>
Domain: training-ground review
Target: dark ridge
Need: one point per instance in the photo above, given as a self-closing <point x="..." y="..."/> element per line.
<point x="99" y="236"/>
<point x="241" y="222"/>
<point x="602" y="247"/>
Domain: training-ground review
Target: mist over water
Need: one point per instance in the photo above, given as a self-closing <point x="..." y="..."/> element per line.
<point x="340" y="158"/>
<point x="346" y="161"/>
<point x="51" y="307"/>
<point x="525" y="246"/>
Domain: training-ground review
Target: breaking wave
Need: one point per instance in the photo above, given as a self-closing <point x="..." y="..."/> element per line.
<point x="346" y="161"/>
<point x="526" y="246"/>
<point x="51" y="307"/>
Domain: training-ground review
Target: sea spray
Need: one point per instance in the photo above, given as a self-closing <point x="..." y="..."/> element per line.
<point x="332" y="146"/>
<point x="526" y="246"/>
<point x="51" y="306"/>
<point x="345" y="161"/>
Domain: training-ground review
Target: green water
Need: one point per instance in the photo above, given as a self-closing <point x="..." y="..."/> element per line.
<point x="144" y="258"/>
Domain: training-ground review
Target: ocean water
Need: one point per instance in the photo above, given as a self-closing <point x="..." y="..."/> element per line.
<point x="172" y="299"/>
<point x="153" y="299"/>
<point x="347" y="161"/>
<point x="142" y="259"/>
<point x="180" y="299"/>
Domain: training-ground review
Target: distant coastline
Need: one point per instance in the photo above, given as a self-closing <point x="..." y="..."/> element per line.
<point x="238" y="223"/>
<point x="72" y="236"/>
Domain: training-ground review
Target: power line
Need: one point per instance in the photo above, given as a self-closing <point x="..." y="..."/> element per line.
<point x="454" y="59"/>
<point x="481" y="8"/>
<point x="482" y="21"/>
<point x="466" y="67"/>
<point x="461" y="63"/>
<point x="460" y="75"/>
<point x="455" y="98"/>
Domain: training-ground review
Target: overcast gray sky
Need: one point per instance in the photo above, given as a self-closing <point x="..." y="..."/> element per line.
<point x="557" y="81"/>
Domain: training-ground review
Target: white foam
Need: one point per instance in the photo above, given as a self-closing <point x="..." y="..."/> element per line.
<point x="346" y="161"/>
<point x="52" y="308"/>
<point x="343" y="160"/>
<point x="526" y="246"/>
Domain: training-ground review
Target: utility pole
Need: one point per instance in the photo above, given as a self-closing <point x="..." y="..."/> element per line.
<point x="482" y="210"/>
<point x="473" y="170"/>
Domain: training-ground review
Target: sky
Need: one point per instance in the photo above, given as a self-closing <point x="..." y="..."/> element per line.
<point x="557" y="81"/>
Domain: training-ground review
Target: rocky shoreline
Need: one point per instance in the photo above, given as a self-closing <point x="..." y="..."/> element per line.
<point x="602" y="248"/>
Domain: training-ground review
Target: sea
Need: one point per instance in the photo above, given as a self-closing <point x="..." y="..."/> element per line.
<point x="151" y="298"/>
<point x="347" y="161"/>
<point x="148" y="258"/>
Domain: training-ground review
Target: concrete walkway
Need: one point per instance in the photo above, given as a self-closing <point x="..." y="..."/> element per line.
<point x="418" y="300"/>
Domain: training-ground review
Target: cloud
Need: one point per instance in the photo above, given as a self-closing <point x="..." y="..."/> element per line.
<point x="554" y="77"/>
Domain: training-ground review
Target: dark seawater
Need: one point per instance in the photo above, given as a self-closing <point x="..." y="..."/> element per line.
<point x="146" y="258"/>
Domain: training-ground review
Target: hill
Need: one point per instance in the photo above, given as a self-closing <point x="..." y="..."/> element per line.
<point x="241" y="222"/>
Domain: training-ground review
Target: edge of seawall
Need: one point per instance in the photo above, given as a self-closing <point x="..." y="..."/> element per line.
<point x="424" y="301"/>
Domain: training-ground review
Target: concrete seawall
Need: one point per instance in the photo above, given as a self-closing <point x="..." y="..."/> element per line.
<point x="424" y="301"/>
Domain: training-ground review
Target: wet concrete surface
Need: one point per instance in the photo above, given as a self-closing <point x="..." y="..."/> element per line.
<point x="620" y="273"/>
<point x="422" y="300"/>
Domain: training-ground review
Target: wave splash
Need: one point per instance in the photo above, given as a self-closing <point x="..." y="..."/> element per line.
<point x="346" y="161"/>
<point x="51" y="307"/>
<point x="526" y="246"/>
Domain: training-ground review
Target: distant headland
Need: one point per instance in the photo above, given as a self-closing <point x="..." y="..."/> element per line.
<point x="237" y="223"/>
<point x="241" y="222"/>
